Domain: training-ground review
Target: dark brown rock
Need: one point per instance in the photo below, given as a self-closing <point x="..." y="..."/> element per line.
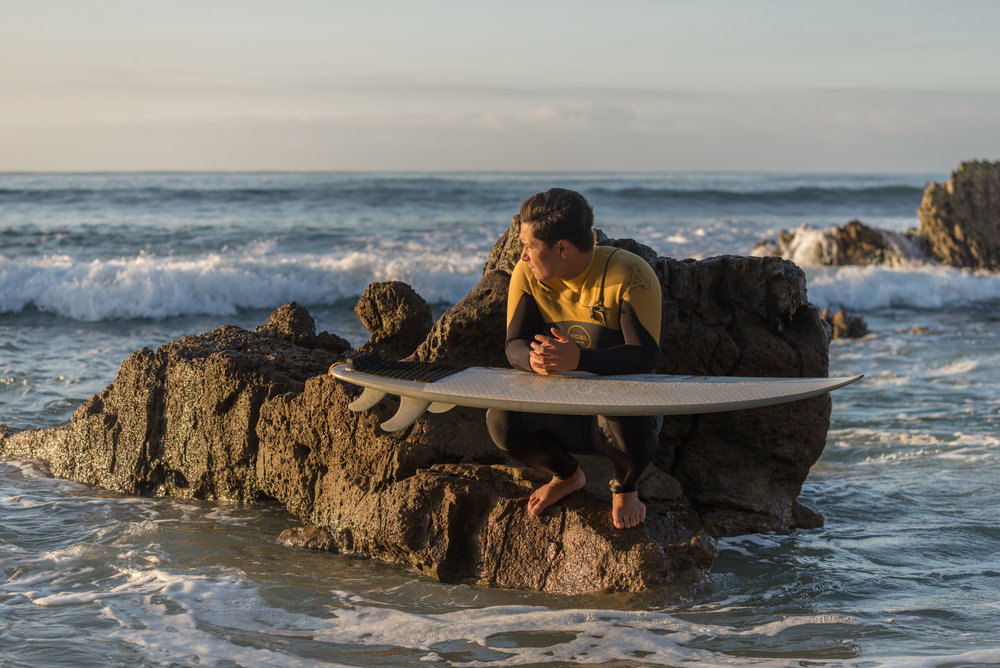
<point x="293" y="323"/>
<point x="430" y="499"/>
<point x="736" y="316"/>
<point x="181" y="421"/>
<point x="397" y="317"/>
<point x="960" y="219"/>
<point x="506" y="251"/>
<point x="844" y="326"/>
<point x="860" y="244"/>
<point x="474" y="330"/>
<point x="250" y="415"/>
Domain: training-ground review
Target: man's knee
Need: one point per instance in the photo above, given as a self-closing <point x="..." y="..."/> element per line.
<point x="629" y="431"/>
<point x="499" y="423"/>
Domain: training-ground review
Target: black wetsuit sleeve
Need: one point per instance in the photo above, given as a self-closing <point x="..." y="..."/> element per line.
<point x="525" y="323"/>
<point x="638" y="354"/>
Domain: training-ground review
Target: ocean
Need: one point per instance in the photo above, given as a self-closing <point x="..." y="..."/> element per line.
<point x="905" y="572"/>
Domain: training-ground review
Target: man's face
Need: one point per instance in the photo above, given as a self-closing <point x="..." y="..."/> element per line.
<point x="544" y="262"/>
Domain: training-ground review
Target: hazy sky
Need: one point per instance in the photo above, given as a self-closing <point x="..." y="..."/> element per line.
<point x="845" y="85"/>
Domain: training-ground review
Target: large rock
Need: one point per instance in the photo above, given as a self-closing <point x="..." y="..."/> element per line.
<point x="183" y="421"/>
<point x="960" y="219"/>
<point x="247" y="416"/>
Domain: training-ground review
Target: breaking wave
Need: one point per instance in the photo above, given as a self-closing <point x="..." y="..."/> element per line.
<point x="149" y="286"/>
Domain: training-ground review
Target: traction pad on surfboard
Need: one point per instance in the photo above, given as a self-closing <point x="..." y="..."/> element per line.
<point x="425" y="372"/>
<point x="410" y="408"/>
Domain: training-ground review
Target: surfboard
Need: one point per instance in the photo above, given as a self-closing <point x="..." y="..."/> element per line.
<point x="437" y="388"/>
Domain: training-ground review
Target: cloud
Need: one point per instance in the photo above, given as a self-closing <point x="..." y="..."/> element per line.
<point x="813" y="131"/>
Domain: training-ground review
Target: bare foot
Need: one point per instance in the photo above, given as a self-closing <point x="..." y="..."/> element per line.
<point x="627" y="510"/>
<point x="554" y="490"/>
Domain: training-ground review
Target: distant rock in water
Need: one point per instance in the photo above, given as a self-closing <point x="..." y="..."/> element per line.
<point x="959" y="226"/>
<point x="844" y="326"/>
<point x="960" y="219"/>
<point x="853" y="244"/>
<point x="251" y="416"/>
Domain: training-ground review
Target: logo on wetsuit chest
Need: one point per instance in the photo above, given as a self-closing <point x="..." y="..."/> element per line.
<point x="579" y="336"/>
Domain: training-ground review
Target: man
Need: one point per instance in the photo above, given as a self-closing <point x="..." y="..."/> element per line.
<point x="576" y="306"/>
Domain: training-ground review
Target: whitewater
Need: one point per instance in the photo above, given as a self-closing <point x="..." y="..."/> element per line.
<point x="94" y="266"/>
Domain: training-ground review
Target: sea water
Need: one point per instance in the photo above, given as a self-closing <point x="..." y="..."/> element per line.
<point x="905" y="571"/>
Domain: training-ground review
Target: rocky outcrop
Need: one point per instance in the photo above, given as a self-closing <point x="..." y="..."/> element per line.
<point x="247" y="416"/>
<point x="960" y="219"/>
<point x="854" y="243"/>
<point x="182" y="421"/>
<point x="397" y="317"/>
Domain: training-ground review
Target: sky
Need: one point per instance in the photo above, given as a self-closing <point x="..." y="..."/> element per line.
<point x="668" y="85"/>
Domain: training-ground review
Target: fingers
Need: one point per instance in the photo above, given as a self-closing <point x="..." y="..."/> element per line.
<point x="542" y="363"/>
<point x="551" y="354"/>
<point x="543" y="368"/>
<point x="543" y="342"/>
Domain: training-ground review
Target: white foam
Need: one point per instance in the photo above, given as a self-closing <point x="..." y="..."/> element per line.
<point x="168" y="617"/>
<point x="954" y="368"/>
<point x="586" y="636"/>
<point x="62" y="599"/>
<point x="262" y="275"/>
<point x="808" y="246"/>
<point x="811" y="247"/>
<point x="177" y="618"/>
<point x="979" y="657"/>
<point x="256" y="276"/>
<point x="776" y="627"/>
<point x="871" y="288"/>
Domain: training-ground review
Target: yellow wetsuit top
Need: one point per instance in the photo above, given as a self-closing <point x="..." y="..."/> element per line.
<point x="613" y="311"/>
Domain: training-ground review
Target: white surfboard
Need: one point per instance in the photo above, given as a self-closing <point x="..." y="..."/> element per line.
<point x="570" y="393"/>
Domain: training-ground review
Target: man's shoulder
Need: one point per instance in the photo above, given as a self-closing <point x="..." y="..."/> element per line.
<point x="630" y="271"/>
<point x="624" y="259"/>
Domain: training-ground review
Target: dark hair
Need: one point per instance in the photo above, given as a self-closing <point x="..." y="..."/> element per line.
<point x="559" y="213"/>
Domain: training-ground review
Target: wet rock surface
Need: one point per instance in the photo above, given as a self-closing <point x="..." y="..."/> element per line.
<point x="248" y="416"/>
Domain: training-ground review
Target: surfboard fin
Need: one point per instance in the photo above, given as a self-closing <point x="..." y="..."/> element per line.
<point x="409" y="410"/>
<point x="438" y="407"/>
<point x="367" y="400"/>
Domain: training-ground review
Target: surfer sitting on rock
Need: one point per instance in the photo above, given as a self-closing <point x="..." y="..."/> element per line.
<point x="576" y="306"/>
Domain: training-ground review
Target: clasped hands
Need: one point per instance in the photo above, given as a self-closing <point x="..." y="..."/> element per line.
<point x="552" y="354"/>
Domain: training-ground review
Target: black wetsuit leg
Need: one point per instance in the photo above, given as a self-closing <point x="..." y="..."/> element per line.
<point x="631" y="445"/>
<point x="543" y="441"/>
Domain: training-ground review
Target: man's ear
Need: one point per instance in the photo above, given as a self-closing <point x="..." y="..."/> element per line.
<point x="562" y="246"/>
